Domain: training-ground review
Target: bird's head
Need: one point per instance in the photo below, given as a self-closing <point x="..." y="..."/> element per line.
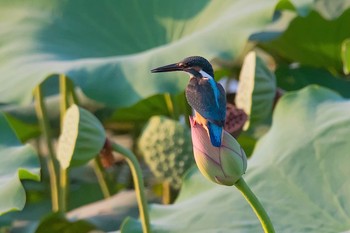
<point x="196" y="66"/>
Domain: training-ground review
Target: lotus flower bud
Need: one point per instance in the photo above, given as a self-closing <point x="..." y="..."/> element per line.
<point x="223" y="165"/>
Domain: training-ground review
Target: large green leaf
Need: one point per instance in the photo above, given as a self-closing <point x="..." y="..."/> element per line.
<point x="299" y="171"/>
<point x="108" y="47"/>
<point x="256" y="90"/>
<point x="311" y="40"/>
<point x="293" y="78"/>
<point x="17" y="162"/>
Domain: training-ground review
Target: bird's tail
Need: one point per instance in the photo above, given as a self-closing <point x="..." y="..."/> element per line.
<point x="215" y="134"/>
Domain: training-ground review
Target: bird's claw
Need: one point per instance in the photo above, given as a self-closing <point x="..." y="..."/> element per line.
<point x="193" y="121"/>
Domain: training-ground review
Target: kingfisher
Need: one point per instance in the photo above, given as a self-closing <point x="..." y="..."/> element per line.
<point x="203" y="94"/>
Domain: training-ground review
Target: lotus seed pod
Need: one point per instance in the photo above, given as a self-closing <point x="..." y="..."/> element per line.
<point x="235" y="120"/>
<point x="167" y="149"/>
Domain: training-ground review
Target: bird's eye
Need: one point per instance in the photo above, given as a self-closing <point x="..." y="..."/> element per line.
<point x="184" y="65"/>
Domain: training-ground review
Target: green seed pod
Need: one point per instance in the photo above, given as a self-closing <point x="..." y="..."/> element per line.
<point x="167" y="149"/>
<point x="82" y="137"/>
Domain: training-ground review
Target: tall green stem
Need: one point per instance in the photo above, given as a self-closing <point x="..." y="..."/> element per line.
<point x="64" y="104"/>
<point x="185" y="108"/>
<point x="256" y="206"/>
<point x="44" y="125"/>
<point x="63" y="190"/>
<point x="138" y="182"/>
<point x="171" y="105"/>
<point x="101" y="178"/>
<point x="64" y="96"/>
<point x="166" y="192"/>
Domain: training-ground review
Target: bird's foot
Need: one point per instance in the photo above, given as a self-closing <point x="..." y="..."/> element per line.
<point x="193" y="121"/>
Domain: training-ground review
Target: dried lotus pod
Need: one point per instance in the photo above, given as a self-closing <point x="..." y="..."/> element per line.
<point x="106" y="155"/>
<point x="235" y="120"/>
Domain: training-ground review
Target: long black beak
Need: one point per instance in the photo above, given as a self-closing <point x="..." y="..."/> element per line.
<point x="168" y="68"/>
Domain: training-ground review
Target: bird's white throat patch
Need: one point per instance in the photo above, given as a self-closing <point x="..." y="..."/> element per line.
<point x="212" y="84"/>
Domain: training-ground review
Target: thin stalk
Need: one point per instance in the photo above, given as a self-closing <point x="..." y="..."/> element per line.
<point x="42" y="158"/>
<point x="166" y="195"/>
<point x="44" y="125"/>
<point x="74" y="97"/>
<point x="64" y="104"/>
<point x="64" y="96"/>
<point x="256" y="206"/>
<point x="172" y="109"/>
<point x="63" y="189"/>
<point x="138" y="182"/>
<point x="185" y="108"/>
<point x="101" y="178"/>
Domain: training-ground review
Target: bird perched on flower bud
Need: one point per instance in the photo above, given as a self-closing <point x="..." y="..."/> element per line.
<point x="223" y="165"/>
<point x="204" y="95"/>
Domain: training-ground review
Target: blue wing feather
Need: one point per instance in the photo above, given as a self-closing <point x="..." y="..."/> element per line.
<point x="202" y="98"/>
<point x="215" y="134"/>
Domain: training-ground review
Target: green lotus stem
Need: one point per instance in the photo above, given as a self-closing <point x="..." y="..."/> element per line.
<point x="256" y="206"/>
<point x="169" y="193"/>
<point x="73" y="96"/>
<point x="138" y="182"/>
<point x="166" y="195"/>
<point x="186" y="109"/>
<point x="64" y="105"/>
<point x="45" y="128"/>
<point x="64" y="96"/>
<point x="171" y="102"/>
<point x="102" y="178"/>
<point x="63" y="190"/>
